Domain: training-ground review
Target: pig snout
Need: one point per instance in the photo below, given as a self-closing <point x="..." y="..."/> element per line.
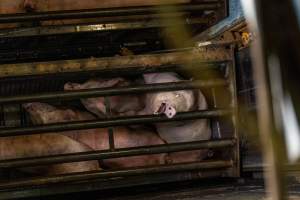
<point x="166" y="109"/>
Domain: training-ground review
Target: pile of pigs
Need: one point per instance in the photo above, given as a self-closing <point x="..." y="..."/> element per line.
<point x="168" y="103"/>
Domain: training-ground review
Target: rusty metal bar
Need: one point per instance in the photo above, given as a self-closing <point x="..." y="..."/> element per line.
<point x="67" y="95"/>
<point x="118" y="153"/>
<point x="75" y="177"/>
<point x="195" y="56"/>
<point x="110" y="130"/>
<point x="102" y="24"/>
<point x="108" y="12"/>
<point x="104" y="123"/>
<point x="234" y="105"/>
<point x="101" y="185"/>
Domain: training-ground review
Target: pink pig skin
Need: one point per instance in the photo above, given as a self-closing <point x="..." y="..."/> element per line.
<point x="97" y="139"/>
<point x="181" y="101"/>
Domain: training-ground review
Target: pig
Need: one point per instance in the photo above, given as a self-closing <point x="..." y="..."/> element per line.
<point x="98" y="139"/>
<point x="46" y="145"/>
<point x="169" y="103"/>
<point x="124" y="105"/>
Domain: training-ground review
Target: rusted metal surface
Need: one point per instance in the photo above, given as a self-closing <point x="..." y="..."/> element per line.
<point x="116" y="63"/>
<point x="78" y="14"/>
<point x="102" y="24"/>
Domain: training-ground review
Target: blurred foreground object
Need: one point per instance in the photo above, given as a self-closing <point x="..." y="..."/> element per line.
<point x="276" y="56"/>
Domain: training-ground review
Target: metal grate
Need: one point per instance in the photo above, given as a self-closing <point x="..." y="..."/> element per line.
<point x="226" y="143"/>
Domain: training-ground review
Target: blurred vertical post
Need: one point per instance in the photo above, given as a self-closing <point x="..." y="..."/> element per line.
<point x="276" y="55"/>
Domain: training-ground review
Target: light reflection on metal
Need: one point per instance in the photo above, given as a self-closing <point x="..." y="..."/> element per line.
<point x="48" y="30"/>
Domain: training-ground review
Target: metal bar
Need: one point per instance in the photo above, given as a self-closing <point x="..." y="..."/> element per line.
<point x="195" y="57"/>
<point x="216" y="123"/>
<point x="116" y="173"/>
<point x="125" y="152"/>
<point x="67" y="95"/>
<point x="102" y="185"/>
<point x="110" y="130"/>
<point x="93" y="13"/>
<point x="234" y="105"/>
<point x="137" y="22"/>
<point x="104" y="123"/>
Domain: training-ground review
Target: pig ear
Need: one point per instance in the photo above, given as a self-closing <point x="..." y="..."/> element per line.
<point x="72" y="86"/>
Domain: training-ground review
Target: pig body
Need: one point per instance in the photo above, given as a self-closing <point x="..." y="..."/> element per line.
<point x="98" y="139"/>
<point x="46" y="145"/>
<point x="180" y="101"/>
<point x="124" y="105"/>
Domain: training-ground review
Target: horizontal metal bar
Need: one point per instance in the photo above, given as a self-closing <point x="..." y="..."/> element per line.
<point x="195" y="57"/>
<point x="125" y="152"/>
<point x="79" y="14"/>
<point x="102" y="185"/>
<point x="67" y="95"/>
<point x="137" y="22"/>
<point x="75" y="177"/>
<point x="104" y="123"/>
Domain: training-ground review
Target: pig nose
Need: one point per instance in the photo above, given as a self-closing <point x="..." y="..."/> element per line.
<point x="166" y="109"/>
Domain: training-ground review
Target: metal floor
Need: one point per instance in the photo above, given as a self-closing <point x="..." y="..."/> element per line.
<point x="195" y="191"/>
<point x="218" y="189"/>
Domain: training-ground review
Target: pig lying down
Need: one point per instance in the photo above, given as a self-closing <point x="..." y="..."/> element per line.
<point x="97" y="139"/>
<point x="168" y="103"/>
<point x="46" y="145"/>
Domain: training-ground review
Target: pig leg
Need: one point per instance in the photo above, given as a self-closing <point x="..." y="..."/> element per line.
<point x="45" y="145"/>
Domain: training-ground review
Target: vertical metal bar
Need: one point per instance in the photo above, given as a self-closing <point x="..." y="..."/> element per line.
<point x="2" y="120"/>
<point x="216" y="122"/>
<point x="110" y="129"/>
<point x="234" y="105"/>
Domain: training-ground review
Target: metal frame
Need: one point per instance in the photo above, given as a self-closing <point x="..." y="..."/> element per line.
<point x="112" y="18"/>
<point x="229" y="168"/>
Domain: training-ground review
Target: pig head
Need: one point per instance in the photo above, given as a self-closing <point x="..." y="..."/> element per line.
<point x="170" y="103"/>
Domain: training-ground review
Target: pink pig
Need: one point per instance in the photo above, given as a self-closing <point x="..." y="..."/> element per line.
<point x="98" y="139"/>
<point x="124" y="105"/>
